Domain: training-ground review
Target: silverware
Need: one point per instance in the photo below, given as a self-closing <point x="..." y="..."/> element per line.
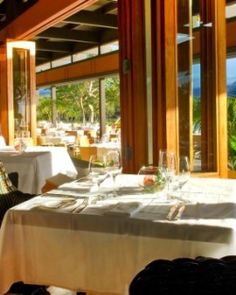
<point x="180" y="211"/>
<point x="172" y="211"/>
<point x="81" y="207"/>
<point x="176" y="211"/>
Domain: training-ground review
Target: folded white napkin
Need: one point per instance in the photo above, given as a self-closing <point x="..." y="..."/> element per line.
<point x="58" y="204"/>
<point x="183" y="211"/>
<point x="210" y="211"/>
<point x="125" y="209"/>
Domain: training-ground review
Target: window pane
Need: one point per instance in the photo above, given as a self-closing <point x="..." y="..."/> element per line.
<point x="85" y="54"/>
<point x="43" y="67"/>
<point x="231" y="83"/>
<point x="61" y="61"/>
<point x="196" y="85"/>
<point x="22" y="115"/>
<point x="113" y="46"/>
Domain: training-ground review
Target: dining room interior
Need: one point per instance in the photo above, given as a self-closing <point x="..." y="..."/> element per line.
<point x="120" y="116"/>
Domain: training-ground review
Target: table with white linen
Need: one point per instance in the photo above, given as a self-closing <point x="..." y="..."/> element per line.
<point x="103" y="246"/>
<point x="37" y="164"/>
<point x="105" y="148"/>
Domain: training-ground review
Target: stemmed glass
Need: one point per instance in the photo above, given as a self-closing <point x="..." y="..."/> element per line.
<point x="113" y="166"/>
<point x="97" y="170"/>
<point x="184" y="171"/>
<point x="167" y="165"/>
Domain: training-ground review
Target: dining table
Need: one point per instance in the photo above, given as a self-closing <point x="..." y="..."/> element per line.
<point x="36" y="164"/>
<point x="85" y="237"/>
<point x="104" y="148"/>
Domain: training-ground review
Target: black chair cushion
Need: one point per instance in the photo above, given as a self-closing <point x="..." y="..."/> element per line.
<point x="27" y="289"/>
<point x="202" y="276"/>
<point x="13" y="176"/>
<point x="12" y="199"/>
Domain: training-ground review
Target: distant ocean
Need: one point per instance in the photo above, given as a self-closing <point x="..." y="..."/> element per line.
<point x="231" y="90"/>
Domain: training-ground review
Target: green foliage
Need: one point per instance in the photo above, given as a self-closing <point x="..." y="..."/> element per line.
<point x="232" y="133"/>
<point x="79" y="102"/>
<point x="112" y="86"/>
<point x="44" y="108"/>
<point x="196" y="114"/>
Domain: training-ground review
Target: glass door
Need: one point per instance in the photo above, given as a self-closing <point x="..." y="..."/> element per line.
<point x="197" y="83"/>
<point x="21" y="85"/>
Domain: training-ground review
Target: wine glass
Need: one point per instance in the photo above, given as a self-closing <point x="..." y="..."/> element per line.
<point x="113" y="166"/>
<point x="97" y="170"/>
<point x="167" y="166"/>
<point x="148" y="170"/>
<point x="184" y="171"/>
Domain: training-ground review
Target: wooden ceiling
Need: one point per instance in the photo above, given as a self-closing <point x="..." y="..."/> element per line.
<point x="11" y="9"/>
<point x="86" y="29"/>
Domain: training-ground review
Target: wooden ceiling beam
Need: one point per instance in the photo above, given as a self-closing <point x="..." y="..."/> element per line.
<point x="70" y="35"/>
<point x="94" y="19"/>
<point x="108" y="8"/>
<point x="108" y="36"/>
<point x="42" y="45"/>
<point x="43" y="55"/>
<point x="81" y="47"/>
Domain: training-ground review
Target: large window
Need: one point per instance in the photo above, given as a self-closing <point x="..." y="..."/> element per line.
<point x="197" y="85"/>
<point x="231" y="90"/>
<point x="231" y="82"/>
<point x="79" y="104"/>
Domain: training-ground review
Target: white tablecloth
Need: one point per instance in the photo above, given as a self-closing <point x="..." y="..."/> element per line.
<point x="96" y="251"/>
<point x="37" y="164"/>
<point x="104" y="148"/>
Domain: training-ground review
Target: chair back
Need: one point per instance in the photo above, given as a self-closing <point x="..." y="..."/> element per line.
<point x="87" y="151"/>
<point x="202" y="276"/>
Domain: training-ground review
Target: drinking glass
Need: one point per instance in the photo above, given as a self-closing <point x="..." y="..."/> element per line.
<point x="148" y="170"/>
<point x="97" y="170"/>
<point x="167" y="165"/>
<point x="152" y="180"/>
<point x="113" y="166"/>
<point x="184" y="171"/>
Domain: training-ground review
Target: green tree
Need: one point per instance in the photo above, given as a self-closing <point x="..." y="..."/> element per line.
<point x="232" y="133"/>
<point x="44" y="108"/>
<point x="78" y="101"/>
<point x="112" y="85"/>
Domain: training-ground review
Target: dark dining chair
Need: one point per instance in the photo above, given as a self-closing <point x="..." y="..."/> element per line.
<point x="14" y="178"/>
<point x="202" y="276"/>
<point x="19" y="288"/>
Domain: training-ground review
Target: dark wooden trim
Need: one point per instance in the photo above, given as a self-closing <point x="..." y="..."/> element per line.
<point x="132" y="84"/>
<point x="158" y="78"/>
<point x="95" y="67"/>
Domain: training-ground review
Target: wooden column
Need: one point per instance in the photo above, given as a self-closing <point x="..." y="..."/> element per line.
<point x="54" y="108"/>
<point x="132" y="84"/>
<point x="102" y="103"/>
<point x="221" y="87"/>
<point x="3" y="93"/>
<point x="165" y="116"/>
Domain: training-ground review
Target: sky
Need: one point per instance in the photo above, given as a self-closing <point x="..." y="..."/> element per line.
<point x="230" y="68"/>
